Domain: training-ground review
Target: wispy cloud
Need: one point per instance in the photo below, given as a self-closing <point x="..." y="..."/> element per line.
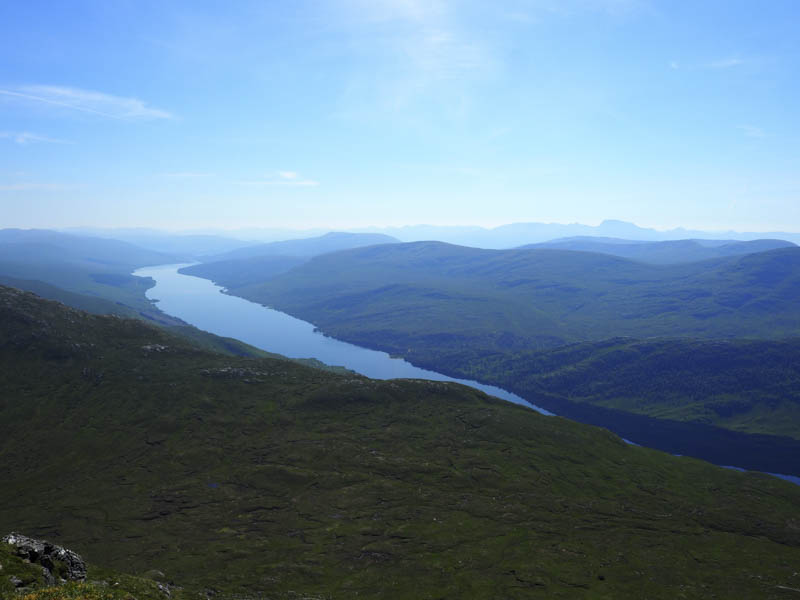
<point x="415" y="51"/>
<point x="287" y="178"/>
<point x="26" y="137"/>
<point x="187" y="174"/>
<point x="726" y="63"/>
<point x="36" y="187"/>
<point x="752" y="131"/>
<point x="85" y="101"/>
<point x="535" y="11"/>
<point x="391" y="10"/>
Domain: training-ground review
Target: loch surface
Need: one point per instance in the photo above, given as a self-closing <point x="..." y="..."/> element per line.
<point x="202" y="304"/>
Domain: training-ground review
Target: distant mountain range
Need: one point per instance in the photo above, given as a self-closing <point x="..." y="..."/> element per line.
<point x="264" y="261"/>
<point x="306" y="247"/>
<point x="44" y="245"/>
<point x="669" y="252"/>
<point x="518" y="234"/>
<point x="213" y="242"/>
<point x="183" y="246"/>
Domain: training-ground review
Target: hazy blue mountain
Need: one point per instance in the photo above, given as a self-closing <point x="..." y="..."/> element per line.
<point x="88" y="266"/>
<point x="183" y="246"/>
<point x="518" y="234"/>
<point x="668" y="252"/>
<point x="41" y="245"/>
<point x="330" y="242"/>
<point x="217" y="241"/>
<point x="244" y="271"/>
<point x="263" y="234"/>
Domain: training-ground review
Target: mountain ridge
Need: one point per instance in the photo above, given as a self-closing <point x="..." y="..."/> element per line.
<point x="305" y="247"/>
<point x="663" y="252"/>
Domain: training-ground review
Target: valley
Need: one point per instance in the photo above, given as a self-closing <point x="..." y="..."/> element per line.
<point x="196" y="463"/>
<point x="549" y="325"/>
<point x="399" y="300"/>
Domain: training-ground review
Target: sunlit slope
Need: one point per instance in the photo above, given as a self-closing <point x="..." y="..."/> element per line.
<point x="140" y="451"/>
<point x="426" y="299"/>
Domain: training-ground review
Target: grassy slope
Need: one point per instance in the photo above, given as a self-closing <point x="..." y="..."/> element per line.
<point x="200" y="338"/>
<point x="264" y="475"/>
<point x="100" y="306"/>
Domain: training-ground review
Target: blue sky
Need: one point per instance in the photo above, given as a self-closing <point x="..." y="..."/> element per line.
<point x="353" y="113"/>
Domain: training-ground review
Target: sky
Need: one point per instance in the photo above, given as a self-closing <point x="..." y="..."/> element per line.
<point x="354" y="113"/>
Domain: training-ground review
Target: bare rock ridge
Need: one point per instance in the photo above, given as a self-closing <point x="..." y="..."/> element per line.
<point x="57" y="563"/>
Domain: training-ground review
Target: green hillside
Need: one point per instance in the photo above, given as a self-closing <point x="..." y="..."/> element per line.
<point x="243" y="271"/>
<point x="425" y="300"/>
<point x="269" y="479"/>
<point x="752" y="386"/>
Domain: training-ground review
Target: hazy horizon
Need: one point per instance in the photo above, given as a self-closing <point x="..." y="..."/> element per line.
<point x="381" y="228"/>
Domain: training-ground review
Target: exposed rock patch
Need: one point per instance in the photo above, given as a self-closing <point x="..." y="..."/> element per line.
<point x="56" y="562"/>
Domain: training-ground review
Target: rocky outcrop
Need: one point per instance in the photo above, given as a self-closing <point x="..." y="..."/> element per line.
<point x="56" y="562"/>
